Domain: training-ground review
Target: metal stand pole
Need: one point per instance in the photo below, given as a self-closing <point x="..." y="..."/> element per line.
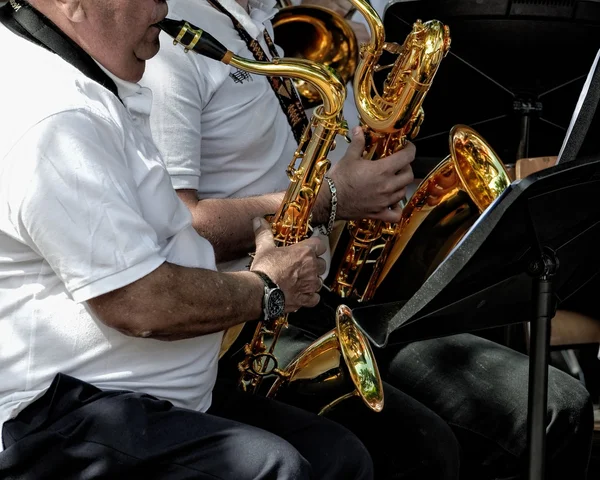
<point x="543" y="270"/>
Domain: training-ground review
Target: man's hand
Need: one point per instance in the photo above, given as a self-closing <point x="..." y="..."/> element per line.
<point x="296" y="268"/>
<point x="371" y="189"/>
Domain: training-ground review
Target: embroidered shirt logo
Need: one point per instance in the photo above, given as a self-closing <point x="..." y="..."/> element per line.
<point x="240" y="76"/>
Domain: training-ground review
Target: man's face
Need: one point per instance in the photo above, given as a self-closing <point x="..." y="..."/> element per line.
<point x="119" y="33"/>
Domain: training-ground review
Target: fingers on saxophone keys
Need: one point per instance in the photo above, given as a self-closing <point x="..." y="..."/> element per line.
<point x="410" y="149"/>
<point x="316" y="284"/>
<point x="317" y="244"/>
<point x="396" y="197"/>
<point x="398" y="161"/>
<point x="321" y="266"/>
<point x="312" y="300"/>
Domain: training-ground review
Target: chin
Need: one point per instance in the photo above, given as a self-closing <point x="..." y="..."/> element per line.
<point x="149" y="51"/>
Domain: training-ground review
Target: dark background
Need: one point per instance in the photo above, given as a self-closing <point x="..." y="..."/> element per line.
<point x="514" y="73"/>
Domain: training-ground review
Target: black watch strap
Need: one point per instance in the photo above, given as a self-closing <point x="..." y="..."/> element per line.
<point x="265" y="278"/>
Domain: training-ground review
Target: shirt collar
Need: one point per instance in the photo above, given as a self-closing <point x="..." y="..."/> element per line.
<point x="136" y="98"/>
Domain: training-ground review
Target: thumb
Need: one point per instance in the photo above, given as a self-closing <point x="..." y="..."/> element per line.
<point x="357" y="146"/>
<point x="263" y="235"/>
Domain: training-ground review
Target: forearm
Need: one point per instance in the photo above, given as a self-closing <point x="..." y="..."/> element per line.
<point x="227" y="223"/>
<point x="322" y="208"/>
<point x="175" y="302"/>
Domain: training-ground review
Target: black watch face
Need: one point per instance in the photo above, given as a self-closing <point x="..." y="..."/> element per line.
<point x="275" y="304"/>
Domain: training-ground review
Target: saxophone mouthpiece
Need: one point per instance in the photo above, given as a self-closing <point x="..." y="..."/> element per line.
<point x="194" y="38"/>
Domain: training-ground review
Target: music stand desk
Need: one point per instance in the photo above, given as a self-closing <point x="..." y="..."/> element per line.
<point x="534" y="247"/>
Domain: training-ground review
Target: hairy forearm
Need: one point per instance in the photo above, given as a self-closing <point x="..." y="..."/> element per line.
<point x="322" y="208"/>
<point x="227" y="223"/>
<point x="175" y="302"/>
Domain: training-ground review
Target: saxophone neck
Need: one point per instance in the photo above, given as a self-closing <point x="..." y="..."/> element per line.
<point x="325" y="80"/>
<point x="371" y="51"/>
<point x="399" y="104"/>
<point x="376" y="30"/>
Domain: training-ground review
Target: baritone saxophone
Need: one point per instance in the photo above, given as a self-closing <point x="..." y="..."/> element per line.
<point x="343" y="353"/>
<point x="390" y="117"/>
<point x="383" y="261"/>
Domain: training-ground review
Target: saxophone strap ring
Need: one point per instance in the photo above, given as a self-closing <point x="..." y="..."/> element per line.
<point x="263" y="364"/>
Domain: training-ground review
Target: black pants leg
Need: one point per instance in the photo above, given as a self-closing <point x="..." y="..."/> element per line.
<point x="480" y="389"/>
<point x="332" y="451"/>
<point x="406" y="440"/>
<point x="76" y="431"/>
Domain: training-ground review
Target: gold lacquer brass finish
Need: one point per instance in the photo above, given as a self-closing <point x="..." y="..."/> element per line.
<point x="291" y="223"/>
<point x="319" y="35"/>
<point x="444" y="206"/>
<point x="390" y="118"/>
<point x="316" y="372"/>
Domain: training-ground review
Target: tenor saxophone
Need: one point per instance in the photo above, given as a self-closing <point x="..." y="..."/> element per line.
<point x="344" y="352"/>
<point x="389" y="119"/>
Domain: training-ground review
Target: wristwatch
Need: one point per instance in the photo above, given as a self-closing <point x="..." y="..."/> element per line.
<point x="274" y="298"/>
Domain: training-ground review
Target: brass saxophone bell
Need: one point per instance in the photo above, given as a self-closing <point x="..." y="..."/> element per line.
<point x="337" y="366"/>
<point x="442" y="209"/>
<point x="319" y="35"/>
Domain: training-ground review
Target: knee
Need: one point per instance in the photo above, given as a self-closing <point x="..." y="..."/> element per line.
<point x="358" y="463"/>
<point x="570" y="407"/>
<point x="262" y="455"/>
<point x="440" y="452"/>
<point x="424" y="445"/>
<point x="345" y="456"/>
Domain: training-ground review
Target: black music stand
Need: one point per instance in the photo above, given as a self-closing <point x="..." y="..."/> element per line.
<point x="533" y="248"/>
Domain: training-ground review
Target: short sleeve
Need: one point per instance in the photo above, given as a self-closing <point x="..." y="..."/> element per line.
<point x="73" y="199"/>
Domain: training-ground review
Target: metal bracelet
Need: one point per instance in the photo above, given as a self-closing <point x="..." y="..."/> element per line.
<point x="333" y="211"/>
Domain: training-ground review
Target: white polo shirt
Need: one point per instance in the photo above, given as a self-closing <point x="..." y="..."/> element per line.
<point x="221" y="131"/>
<point x="86" y="207"/>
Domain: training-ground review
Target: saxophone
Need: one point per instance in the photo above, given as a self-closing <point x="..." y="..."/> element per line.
<point x="389" y="120"/>
<point x="344" y="352"/>
<point x="381" y="259"/>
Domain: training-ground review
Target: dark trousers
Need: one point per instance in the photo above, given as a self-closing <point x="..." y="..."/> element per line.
<point x="406" y="440"/>
<point x="78" y="432"/>
<point x="480" y="389"/>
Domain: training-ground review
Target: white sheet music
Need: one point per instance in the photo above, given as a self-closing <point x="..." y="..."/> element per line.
<point x="582" y="95"/>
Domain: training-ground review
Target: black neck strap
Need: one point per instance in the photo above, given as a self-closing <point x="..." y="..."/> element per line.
<point x="282" y="86"/>
<point x="25" y="21"/>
